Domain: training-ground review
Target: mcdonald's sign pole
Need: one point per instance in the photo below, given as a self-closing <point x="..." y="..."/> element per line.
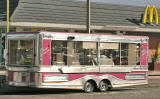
<point x="7" y="16"/>
<point x="152" y="10"/>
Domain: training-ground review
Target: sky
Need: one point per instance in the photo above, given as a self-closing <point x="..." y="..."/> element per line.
<point x="129" y="2"/>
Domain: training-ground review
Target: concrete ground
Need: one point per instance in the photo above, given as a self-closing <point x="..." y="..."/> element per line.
<point x="154" y="73"/>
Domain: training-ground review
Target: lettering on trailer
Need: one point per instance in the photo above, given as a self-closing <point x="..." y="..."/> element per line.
<point x="152" y="10"/>
<point x="55" y="78"/>
<point x="47" y="36"/>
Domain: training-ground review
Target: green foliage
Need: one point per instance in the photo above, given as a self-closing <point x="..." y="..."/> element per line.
<point x="155" y="58"/>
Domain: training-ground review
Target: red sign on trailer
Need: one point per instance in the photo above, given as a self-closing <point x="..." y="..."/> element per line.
<point x="46" y="52"/>
<point x="144" y="51"/>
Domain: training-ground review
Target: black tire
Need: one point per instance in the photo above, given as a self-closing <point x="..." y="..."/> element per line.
<point x="103" y="86"/>
<point x="109" y="88"/>
<point x="88" y="87"/>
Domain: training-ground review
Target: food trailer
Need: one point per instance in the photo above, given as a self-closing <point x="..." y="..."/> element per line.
<point x="76" y="60"/>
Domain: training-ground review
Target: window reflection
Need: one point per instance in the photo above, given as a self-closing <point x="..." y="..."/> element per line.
<point x="109" y="54"/>
<point x="21" y="52"/>
<point x="130" y="54"/>
<point x="73" y="53"/>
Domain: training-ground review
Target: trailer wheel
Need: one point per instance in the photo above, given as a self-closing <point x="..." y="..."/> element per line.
<point x="103" y="86"/>
<point x="88" y="87"/>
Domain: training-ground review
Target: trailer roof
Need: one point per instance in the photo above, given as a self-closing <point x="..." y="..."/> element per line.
<point x="85" y="34"/>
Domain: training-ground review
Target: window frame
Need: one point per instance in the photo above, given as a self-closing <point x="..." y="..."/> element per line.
<point x="33" y="54"/>
<point x="75" y="46"/>
<point x="99" y="52"/>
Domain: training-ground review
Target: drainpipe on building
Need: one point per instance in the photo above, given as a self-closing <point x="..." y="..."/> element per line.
<point x="88" y="17"/>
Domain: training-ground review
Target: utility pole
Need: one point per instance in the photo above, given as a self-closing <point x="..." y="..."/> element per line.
<point x="88" y="16"/>
<point x="7" y="16"/>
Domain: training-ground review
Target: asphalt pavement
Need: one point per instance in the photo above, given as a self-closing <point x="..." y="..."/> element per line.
<point x="149" y="91"/>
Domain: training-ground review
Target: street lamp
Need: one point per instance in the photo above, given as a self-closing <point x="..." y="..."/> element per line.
<point x="88" y="17"/>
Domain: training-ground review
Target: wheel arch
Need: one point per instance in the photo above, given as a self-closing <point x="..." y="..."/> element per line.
<point x="93" y="82"/>
<point x="107" y="81"/>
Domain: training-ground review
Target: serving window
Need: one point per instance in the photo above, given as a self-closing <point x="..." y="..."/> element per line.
<point x="130" y="54"/>
<point x="119" y="54"/>
<point x="109" y="54"/>
<point x="73" y="53"/>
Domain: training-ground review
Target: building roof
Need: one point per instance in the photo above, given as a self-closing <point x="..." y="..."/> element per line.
<point x="74" y="13"/>
<point x="136" y="3"/>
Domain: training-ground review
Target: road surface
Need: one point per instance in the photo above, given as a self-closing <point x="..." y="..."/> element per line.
<point x="150" y="91"/>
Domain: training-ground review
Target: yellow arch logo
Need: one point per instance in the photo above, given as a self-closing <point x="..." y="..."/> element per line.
<point x="152" y="11"/>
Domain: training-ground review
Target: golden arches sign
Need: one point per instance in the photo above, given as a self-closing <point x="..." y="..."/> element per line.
<point x="152" y="10"/>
